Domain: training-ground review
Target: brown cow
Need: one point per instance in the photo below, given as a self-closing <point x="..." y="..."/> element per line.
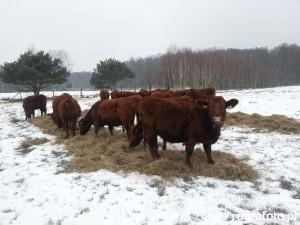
<point x="200" y="93"/>
<point x="183" y="121"/>
<point x="54" y="114"/>
<point x="115" y="112"/>
<point x="104" y="94"/>
<point x="121" y="94"/>
<point x="163" y="94"/>
<point x="169" y="94"/>
<point x="68" y="111"/>
<point x="34" y="102"/>
<point x="184" y="95"/>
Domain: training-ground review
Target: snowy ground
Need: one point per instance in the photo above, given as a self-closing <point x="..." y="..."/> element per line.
<point x="35" y="190"/>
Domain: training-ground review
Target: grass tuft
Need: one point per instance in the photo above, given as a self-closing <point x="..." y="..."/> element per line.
<point x="27" y="145"/>
<point x="273" y="123"/>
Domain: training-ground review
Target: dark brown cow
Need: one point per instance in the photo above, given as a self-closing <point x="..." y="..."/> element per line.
<point x="34" y="102"/>
<point x="115" y="112"/>
<point x="54" y="114"/>
<point x="121" y="94"/>
<point x="104" y="94"/>
<point x="67" y="112"/>
<point x="183" y="121"/>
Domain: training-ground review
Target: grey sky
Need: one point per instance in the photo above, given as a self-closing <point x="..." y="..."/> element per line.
<point x="92" y="30"/>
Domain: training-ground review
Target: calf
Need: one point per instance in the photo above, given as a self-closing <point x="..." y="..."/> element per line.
<point x="116" y="112"/>
<point x="34" y="102"/>
<point x="183" y="121"/>
<point x="55" y="103"/>
<point x="68" y="111"/>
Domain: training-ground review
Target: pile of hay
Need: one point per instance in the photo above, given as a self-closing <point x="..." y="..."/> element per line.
<point x="274" y="123"/>
<point x="91" y="153"/>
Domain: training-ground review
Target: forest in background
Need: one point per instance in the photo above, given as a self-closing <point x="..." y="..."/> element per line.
<point x="219" y="68"/>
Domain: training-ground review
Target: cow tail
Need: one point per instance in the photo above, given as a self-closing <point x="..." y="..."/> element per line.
<point x="137" y="135"/>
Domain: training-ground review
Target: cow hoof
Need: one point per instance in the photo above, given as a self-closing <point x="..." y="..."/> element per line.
<point x="211" y="162"/>
<point x="189" y="164"/>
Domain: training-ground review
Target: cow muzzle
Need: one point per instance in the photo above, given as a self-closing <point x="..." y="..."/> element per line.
<point x="218" y="120"/>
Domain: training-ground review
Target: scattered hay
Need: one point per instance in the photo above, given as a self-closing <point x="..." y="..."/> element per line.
<point x="92" y="153"/>
<point x="274" y="123"/>
<point x="26" y="145"/>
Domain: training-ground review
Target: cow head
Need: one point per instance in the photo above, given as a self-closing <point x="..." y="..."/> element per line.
<point x="217" y="109"/>
<point x="85" y="124"/>
<point x="53" y="117"/>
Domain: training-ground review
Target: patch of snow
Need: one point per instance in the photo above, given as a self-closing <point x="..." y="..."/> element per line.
<point x="35" y="189"/>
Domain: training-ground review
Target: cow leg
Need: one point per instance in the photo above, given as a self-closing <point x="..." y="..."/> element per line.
<point x="96" y="126"/>
<point x="145" y="141"/>
<point x="164" y="147"/>
<point x="111" y="128"/>
<point x="44" y="112"/>
<point x="189" y="148"/>
<point x="152" y="142"/>
<point x="60" y="124"/>
<point x="128" y="131"/>
<point x="74" y="127"/>
<point x="144" y="138"/>
<point x="207" y="149"/>
<point x="66" y="127"/>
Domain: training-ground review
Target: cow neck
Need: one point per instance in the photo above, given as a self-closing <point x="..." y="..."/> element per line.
<point x="88" y="117"/>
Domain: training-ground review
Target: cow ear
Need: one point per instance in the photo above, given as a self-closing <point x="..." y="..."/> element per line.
<point x="202" y="103"/>
<point x="231" y="103"/>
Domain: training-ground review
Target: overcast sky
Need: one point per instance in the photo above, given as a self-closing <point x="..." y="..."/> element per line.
<point x="93" y="30"/>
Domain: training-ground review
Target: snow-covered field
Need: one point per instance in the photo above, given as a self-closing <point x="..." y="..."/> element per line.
<point x="35" y="190"/>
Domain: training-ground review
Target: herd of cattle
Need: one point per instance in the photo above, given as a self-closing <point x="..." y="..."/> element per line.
<point x="187" y="116"/>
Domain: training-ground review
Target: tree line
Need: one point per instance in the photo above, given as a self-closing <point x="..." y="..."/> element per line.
<point x="176" y="69"/>
<point x="219" y="68"/>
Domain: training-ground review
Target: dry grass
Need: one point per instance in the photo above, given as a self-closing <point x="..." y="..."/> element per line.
<point x="26" y="146"/>
<point x="92" y="153"/>
<point x="275" y="123"/>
